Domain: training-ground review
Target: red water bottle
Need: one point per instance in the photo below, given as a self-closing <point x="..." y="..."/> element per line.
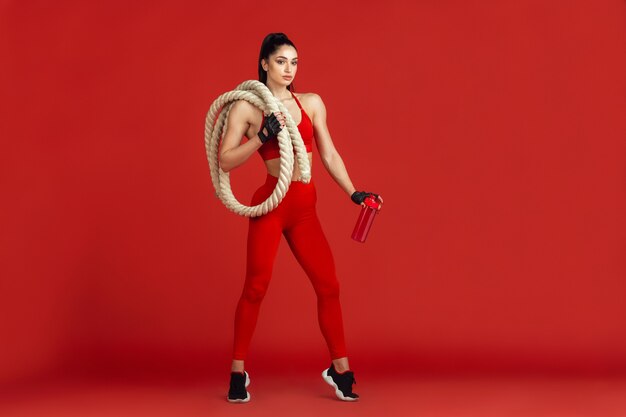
<point x="366" y="218"/>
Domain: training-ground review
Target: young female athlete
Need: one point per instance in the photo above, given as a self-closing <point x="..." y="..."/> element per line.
<point x="295" y="216"/>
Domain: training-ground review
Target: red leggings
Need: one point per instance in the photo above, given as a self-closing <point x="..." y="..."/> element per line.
<point x="296" y="218"/>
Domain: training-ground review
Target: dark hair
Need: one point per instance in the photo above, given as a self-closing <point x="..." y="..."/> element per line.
<point x="270" y="44"/>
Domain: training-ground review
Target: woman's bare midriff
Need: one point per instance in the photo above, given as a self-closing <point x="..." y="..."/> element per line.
<point x="273" y="167"/>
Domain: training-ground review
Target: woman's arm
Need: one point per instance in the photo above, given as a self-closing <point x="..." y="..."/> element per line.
<point x="330" y="157"/>
<point x="232" y="153"/>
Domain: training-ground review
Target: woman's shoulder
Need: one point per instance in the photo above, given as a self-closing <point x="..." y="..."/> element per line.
<point x="310" y="100"/>
<point x="307" y="96"/>
<point x="243" y="110"/>
<point x="243" y="106"/>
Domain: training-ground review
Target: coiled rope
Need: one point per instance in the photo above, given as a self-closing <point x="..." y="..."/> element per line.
<point x="256" y="93"/>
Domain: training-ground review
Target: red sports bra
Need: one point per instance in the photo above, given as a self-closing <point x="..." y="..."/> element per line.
<point x="270" y="150"/>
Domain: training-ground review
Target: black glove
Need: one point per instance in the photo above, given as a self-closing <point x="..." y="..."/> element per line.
<point x="359" y="196"/>
<point x="272" y="127"/>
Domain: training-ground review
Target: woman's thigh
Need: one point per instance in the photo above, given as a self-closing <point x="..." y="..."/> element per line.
<point x="264" y="233"/>
<point x="310" y="247"/>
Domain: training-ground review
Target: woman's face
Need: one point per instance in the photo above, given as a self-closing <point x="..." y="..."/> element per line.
<point x="282" y="65"/>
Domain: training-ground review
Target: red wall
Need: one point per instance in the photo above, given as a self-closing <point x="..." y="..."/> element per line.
<point x="494" y="131"/>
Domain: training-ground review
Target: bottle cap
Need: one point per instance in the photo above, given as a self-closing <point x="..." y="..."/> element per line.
<point x="372" y="201"/>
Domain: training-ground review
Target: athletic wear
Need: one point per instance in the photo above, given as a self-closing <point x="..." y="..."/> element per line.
<point x="270" y="150"/>
<point x="342" y="383"/>
<point x="296" y="218"/>
<point x="238" y="383"/>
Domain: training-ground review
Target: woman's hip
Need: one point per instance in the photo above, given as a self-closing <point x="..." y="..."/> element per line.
<point x="297" y="194"/>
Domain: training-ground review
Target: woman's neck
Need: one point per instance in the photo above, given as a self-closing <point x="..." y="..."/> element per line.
<point x="280" y="92"/>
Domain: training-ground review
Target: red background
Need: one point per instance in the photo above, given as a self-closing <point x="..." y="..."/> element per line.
<point x="494" y="131"/>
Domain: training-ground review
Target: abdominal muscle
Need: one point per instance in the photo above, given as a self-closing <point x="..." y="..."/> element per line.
<point x="273" y="167"/>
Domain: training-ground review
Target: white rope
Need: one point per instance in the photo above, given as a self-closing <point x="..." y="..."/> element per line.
<point x="256" y="93"/>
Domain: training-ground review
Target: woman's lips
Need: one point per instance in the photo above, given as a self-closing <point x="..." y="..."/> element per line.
<point x="287" y="77"/>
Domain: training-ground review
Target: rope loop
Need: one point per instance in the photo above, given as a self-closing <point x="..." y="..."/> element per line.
<point x="256" y="93"/>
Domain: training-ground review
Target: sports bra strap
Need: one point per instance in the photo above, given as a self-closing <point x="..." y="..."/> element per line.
<point x="294" y="96"/>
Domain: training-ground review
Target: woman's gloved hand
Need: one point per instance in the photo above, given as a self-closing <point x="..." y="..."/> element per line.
<point x="272" y="126"/>
<point x="359" y="196"/>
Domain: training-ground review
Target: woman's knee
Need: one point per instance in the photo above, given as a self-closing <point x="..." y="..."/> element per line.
<point x="328" y="289"/>
<point x="254" y="292"/>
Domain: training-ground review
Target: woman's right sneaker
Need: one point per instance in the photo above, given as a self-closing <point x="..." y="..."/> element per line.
<point x="238" y="383"/>
<point x="341" y="382"/>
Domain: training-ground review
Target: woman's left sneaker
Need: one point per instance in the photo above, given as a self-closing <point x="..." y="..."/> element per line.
<point x="342" y="383"/>
<point x="238" y="383"/>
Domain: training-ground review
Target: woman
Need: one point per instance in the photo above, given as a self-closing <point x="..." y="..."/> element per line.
<point x="295" y="216"/>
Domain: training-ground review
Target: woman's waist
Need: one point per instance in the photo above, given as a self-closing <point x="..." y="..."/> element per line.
<point x="273" y="167"/>
<point x="273" y="163"/>
<point x="297" y="190"/>
<point x="272" y="180"/>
